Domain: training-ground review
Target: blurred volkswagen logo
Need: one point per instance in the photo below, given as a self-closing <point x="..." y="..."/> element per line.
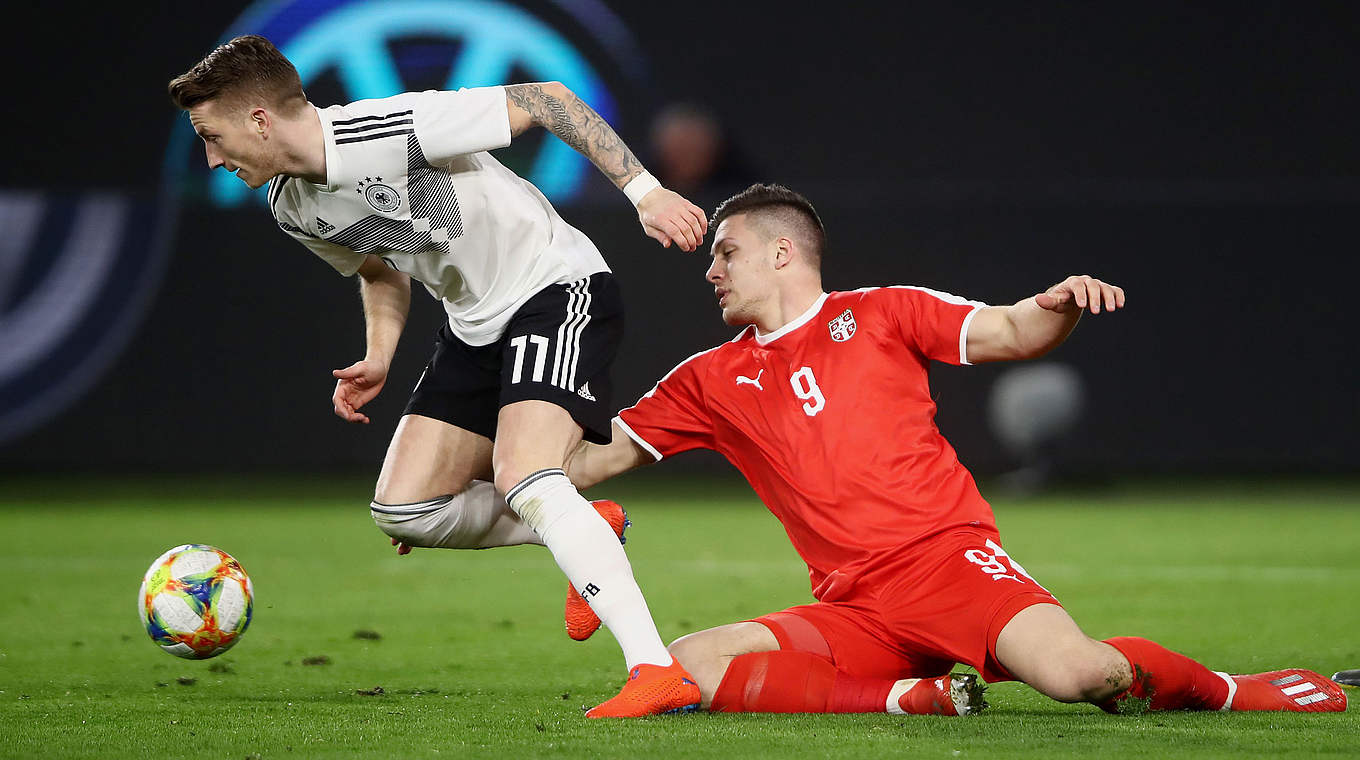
<point x="77" y="274"/>
<point x="348" y="50"/>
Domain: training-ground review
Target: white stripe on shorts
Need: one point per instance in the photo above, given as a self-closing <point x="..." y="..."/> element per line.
<point x="568" y="350"/>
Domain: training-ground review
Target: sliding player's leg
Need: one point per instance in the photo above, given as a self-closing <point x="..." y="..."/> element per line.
<point x="785" y="663"/>
<point x="1026" y="635"/>
<point x="1023" y="632"/>
<point x="1042" y="646"/>
<point x="435" y="490"/>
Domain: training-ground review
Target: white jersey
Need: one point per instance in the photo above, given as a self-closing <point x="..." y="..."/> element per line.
<point x="408" y="178"/>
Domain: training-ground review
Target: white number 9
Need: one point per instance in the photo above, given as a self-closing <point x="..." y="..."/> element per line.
<point x="805" y="387"/>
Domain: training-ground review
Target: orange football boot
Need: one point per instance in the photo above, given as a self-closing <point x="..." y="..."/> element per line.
<point x="651" y="690"/>
<point x="582" y="621"/>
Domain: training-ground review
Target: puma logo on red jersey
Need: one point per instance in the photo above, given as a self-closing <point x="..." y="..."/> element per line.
<point x="756" y="382"/>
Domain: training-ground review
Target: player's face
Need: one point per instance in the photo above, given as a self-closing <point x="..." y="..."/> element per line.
<point x="743" y="263"/>
<point x="233" y="141"/>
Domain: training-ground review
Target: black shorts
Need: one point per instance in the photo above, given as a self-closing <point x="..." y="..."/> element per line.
<point x="557" y="348"/>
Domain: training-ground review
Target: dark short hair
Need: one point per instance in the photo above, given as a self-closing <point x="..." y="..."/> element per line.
<point x="238" y="70"/>
<point x="775" y="208"/>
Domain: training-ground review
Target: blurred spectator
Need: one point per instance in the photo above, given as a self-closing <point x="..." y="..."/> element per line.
<point x="1032" y="409"/>
<point x="692" y="155"/>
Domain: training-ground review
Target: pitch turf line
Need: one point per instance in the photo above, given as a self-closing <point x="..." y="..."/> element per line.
<point x="473" y="662"/>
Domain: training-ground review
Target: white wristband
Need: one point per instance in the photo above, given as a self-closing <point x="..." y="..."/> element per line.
<point x="639" y="186"/>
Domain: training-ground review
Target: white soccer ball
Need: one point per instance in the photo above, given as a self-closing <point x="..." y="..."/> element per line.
<point x="195" y="601"/>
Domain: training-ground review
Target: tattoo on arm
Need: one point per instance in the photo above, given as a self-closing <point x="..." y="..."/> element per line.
<point x="579" y="126"/>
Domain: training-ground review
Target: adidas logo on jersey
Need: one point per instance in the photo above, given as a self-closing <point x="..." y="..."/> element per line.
<point x="324" y="227"/>
<point x="584" y="392"/>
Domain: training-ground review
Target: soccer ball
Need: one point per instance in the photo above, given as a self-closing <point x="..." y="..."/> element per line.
<point x="195" y="601"/>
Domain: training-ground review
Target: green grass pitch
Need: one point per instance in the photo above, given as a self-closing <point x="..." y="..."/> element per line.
<point x="472" y="660"/>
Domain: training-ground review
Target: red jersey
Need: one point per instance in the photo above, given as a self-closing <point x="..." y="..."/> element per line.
<point x="830" y="419"/>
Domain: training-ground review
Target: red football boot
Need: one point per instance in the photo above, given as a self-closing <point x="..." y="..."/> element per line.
<point x="955" y="694"/>
<point x="1294" y="690"/>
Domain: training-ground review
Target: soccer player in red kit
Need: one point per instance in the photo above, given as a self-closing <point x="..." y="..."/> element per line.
<point x="823" y="403"/>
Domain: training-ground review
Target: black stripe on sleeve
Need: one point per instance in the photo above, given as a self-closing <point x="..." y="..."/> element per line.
<point x="371" y="127"/>
<point x="407" y="112"/>
<point x="375" y="136"/>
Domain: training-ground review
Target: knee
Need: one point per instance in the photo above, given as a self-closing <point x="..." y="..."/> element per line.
<point x="506" y="474"/>
<point x="689" y="650"/>
<point x="444" y="522"/>
<point x="405" y="484"/>
<point x="507" y="479"/>
<point x="410" y="492"/>
<point x="415" y="524"/>
<point x="1085" y="674"/>
<point x="708" y="655"/>
<point x="702" y="661"/>
<point x="507" y="468"/>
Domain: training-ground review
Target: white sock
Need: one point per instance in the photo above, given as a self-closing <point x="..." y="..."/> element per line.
<point x="1232" y="689"/>
<point x="901" y="687"/>
<point x="477" y="518"/>
<point x="587" y="550"/>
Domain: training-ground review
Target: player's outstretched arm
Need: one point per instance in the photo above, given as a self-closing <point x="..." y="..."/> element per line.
<point x="665" y="216"/>
<point x="592" y="463"/>
<point x="386" y="295"/>
<point x="1037" y="325"/>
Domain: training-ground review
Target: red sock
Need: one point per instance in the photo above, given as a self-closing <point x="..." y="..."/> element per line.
<point x="796" y="682"/>
<point x="1164" y="680"/>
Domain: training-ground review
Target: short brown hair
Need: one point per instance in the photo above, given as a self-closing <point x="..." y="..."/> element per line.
<point x="244" y="68"/>
<point x="774" y="208"/>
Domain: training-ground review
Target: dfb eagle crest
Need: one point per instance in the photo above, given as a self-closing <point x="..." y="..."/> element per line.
<point x="843" y="327"/>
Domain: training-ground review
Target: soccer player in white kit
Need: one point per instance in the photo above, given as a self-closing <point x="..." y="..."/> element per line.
<point x="403" y="188"/>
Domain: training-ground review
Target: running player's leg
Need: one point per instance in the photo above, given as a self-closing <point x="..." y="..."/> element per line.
<point x="555" y="387"/>
<point x="435" y="490"/>
<point x="435" y="487"/>
<point x="534" y="439"/>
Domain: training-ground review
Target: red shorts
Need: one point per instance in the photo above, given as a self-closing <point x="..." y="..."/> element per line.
<point x="913" y="616"/>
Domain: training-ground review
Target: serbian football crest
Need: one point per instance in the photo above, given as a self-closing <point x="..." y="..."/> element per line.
<point x="842" y="327"/>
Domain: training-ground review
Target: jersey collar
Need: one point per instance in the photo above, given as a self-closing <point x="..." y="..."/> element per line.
<point x="801" y="320"/>
<point x="332" y="154"/>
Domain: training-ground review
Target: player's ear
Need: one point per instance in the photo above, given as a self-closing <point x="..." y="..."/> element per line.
<point x="260" y="121"/>
<point x="783" y="252"/>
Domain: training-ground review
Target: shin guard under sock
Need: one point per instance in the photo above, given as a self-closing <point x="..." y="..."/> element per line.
<point x="796" y="682"/>
<point x="1164" y="680"/>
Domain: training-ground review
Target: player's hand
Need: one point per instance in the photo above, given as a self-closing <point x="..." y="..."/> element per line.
<point x="1081" y="292"/>
<point x="401" y="548"/>
<point x="668" y="218"/>
<point x="355" y="386"/>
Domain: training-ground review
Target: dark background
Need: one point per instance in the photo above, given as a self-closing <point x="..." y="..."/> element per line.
<point x="1204" y="158"/>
